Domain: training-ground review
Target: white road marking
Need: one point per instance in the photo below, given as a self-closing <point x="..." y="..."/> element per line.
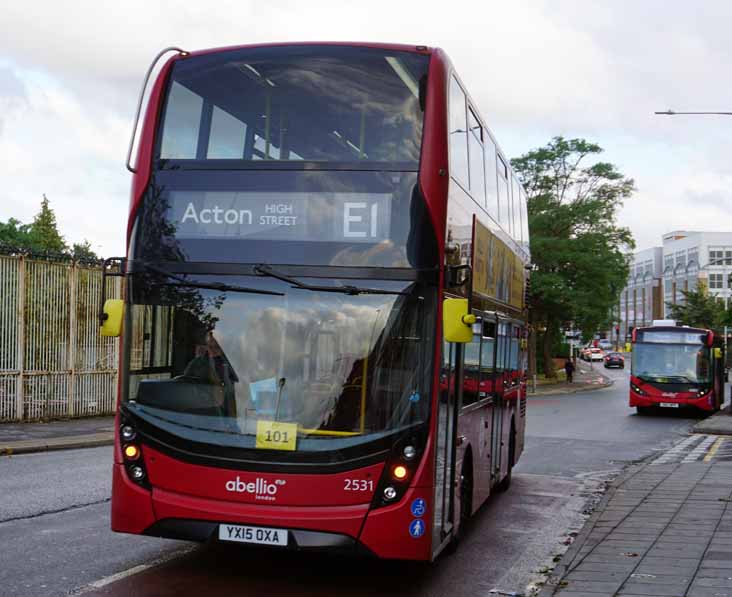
<point x="676" y="451"/>
<point x="107" y="580"/>
<point x="698" y="452"/>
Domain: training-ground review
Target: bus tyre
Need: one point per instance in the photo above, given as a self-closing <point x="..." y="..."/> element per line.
<point x="643" y="411"/>
<point x="506" y="481"/>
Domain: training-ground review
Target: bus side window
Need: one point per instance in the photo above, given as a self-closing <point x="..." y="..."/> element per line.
<point x="491" y="182"/>
<point x="471" y="369"/>
<point x="514" y="224"/>
<point x="524" y="220"/>
<point x="488" y="358"/>
<point x="458" y="134"/>
<point x="514" y="363"/>
<point x="504" y="200"/>
<point x="475" y="147"/>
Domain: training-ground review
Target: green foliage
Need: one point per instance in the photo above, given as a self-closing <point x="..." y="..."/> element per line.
<point x="700" y="310"/>
<point x="42" y="236"/>
<point x="83" y="251"/>
<point x="578" y="250"/>
<point x="44" y="231"/>
<point x="15" y="234"/>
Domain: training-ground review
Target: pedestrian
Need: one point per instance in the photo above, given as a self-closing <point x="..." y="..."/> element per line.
<point x="569" y="369"/>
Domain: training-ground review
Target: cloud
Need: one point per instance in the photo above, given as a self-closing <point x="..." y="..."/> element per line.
<point x="69" y="81"/>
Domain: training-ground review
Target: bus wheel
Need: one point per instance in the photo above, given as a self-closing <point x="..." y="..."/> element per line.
<point x="506" y="481"/>
<point x="643" y="411"/>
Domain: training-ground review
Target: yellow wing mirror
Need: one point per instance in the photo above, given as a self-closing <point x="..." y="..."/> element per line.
<point x="111" y="318"/>
<point x="456" y="321"/>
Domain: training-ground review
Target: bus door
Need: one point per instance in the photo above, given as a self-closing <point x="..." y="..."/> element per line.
<point x="502" y="386"/>
<point x="451" y="389"/>
<point x="488" y="398"/>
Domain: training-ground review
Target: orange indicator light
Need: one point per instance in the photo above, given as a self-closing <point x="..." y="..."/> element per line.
<point x="132" y="452"/>
<point x="399" y="472"/>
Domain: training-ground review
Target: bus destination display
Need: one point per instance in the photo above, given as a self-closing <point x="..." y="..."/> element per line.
<point x="329" y="217"/>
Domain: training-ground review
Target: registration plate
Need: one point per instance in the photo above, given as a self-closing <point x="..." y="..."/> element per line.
<point x="670" y="404"/>
<point x="260" y="535"/>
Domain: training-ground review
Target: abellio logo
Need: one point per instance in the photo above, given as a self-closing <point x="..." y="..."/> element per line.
<point x="260" y="488"/>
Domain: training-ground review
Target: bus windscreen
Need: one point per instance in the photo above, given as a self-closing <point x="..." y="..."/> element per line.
<point x="296" y="103"/>
<point x="333" y="370"/>
<point x="671" y="363"/>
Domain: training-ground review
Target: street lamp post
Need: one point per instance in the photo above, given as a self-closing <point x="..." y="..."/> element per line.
<point x="726" y="287"/>
<point x="674" y="113"/>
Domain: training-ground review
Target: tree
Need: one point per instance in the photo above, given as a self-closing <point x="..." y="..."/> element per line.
<point x="42" y="236"/>
<point x="44" y="231"/>
<point x="578" y="251"/>
<point x="15" y="234"/>
<point x="700" y="310"/>
<point x="83" y="251"/>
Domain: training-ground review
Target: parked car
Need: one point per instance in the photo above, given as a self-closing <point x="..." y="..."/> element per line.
<point x="614" y="359"/>
<point x="605" y="344"/>
<point x="596" y="354"/>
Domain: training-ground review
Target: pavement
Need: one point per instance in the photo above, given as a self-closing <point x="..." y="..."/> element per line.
<point x="664" y="526"/>
<point x="718" y="424"/>
<point x="24" y="438"/>
<point x="586" y="378"/>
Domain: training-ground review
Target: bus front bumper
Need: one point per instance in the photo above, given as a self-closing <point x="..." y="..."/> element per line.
<point x="704" y="402"/>
<point x="354" y="529"/>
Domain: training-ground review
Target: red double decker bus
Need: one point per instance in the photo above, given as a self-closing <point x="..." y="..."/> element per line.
<point x="676" y="366"/>
<point x="323" y="323"/>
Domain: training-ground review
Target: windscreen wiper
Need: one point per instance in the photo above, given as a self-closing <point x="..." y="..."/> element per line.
<point x="659" y="377"/>
<point x="266" y="270"/>
<point x="207" y="285"/>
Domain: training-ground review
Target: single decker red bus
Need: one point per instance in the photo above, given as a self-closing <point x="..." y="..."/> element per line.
<point x="323" y="329"/>
<point x="675" y="366"/>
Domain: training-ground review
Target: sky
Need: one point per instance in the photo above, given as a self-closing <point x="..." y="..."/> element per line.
<point x="70" y="74"/>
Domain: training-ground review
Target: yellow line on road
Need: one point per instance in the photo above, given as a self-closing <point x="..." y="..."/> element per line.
<point x="713" y="449"/>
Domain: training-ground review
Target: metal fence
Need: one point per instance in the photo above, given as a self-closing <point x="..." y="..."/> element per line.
<point x="53" y="362"/>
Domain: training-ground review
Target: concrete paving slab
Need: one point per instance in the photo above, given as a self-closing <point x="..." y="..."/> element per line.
<point x="718" y="424"/>
<point x="57" y="443"/>
<point x="689" y="546"/>
<point x="24" y="438"/>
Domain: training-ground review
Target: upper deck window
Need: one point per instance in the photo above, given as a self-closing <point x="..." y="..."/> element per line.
<point x="458" y="134"/>
<point x="294" y="103"/>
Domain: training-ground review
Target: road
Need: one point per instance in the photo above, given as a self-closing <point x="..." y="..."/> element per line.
<point x="54" y="512"/>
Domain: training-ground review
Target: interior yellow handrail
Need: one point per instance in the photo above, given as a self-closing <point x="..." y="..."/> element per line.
<point x="327" y="432"/>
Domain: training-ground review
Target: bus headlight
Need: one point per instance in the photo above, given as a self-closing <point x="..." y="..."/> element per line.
<point x="636" y="389"/>
<point x="390" y="493"/>
<point x="137" y="473"/>
<point x="127" y="433"/>
<point x="409" y="452"/>
<point x="399" y="469"/>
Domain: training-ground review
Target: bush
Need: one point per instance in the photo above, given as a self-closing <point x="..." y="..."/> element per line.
<point x="560" y="350"/>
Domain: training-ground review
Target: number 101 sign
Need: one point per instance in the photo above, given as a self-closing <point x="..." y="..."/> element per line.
<point x="273" y="435"/>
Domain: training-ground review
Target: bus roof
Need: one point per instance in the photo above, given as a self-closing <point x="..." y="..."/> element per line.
<point x="359" y="44"/>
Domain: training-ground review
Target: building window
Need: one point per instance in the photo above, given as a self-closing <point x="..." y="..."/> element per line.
<point x="716" y="281"/>
<point x="720" y="257"/>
